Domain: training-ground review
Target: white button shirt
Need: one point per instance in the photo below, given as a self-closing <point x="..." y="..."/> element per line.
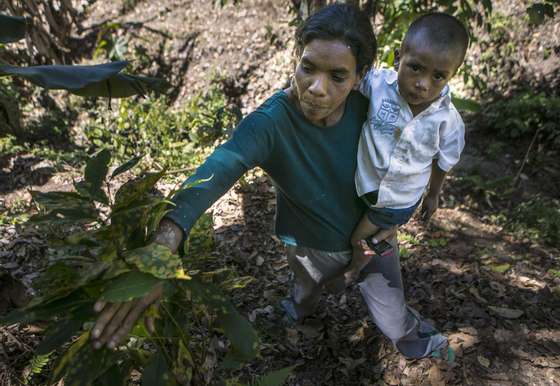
<point x="396" y="149"/>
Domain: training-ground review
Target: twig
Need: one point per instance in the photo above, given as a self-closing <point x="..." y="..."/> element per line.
<point x="518" y="175"/>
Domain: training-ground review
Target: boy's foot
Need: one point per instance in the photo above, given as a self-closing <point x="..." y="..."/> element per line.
<point x="290" y="310"/>
<point x="445" y="353"/>
<point x="350" y="277"/>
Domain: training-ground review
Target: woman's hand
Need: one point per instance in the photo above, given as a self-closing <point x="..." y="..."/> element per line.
<point x="117" y="319"/>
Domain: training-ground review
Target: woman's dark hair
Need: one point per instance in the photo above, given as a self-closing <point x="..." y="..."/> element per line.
<point x="341" y="22"/>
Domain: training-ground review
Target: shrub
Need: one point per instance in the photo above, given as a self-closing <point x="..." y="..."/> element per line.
<point x="524" y="114"/>
<point x="149" y="126"/>
<point x="537" y="219"/>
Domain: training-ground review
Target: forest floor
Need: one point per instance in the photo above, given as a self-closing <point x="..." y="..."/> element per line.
<point x="495" y="295"/>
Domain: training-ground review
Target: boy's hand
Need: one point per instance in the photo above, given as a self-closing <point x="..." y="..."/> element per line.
<point x="429" y="207"/>
<point x="383" y="234"/>
<point x="117" y="319"/>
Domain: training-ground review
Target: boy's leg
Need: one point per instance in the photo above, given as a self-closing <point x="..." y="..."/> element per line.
<point x="312" y="269"/>
<point x="382" y="289"/>
<point x="364" y="229"/>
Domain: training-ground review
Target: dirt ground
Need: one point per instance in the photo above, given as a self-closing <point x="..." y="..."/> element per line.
<point x="490" y="293"/>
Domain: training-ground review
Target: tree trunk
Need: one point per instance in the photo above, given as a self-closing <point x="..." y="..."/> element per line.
<point x="10" y="116"/>
<point x="50" y="24"/>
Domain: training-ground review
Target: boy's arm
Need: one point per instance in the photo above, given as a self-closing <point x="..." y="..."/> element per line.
<point x="431" y="201"/>
<point x="366" y="84"/>
<point x="451" y="146"/>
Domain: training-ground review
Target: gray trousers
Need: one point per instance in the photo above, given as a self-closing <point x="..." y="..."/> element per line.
<point x="381" y="286"/>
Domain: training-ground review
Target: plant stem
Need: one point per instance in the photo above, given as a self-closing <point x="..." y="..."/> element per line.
<point x="526" y="158"/>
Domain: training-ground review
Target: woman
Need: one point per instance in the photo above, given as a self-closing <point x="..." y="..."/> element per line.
<point x="306" y="139"/>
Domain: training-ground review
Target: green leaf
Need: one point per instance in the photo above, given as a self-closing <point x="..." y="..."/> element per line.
<point x="157" y="372"/>
<point x="501" y="268"/>
<point x="135" y="189"/>
<point x="57" y="335"/>
<point x="89" y="364"/>
<point x="39" y="362"/>
<point x="538" y="11"/>
<point x="102" y="80"/>
<point x="47" y="308"/>
<point x="12" y="28"/>
<point x="117" y="375"/>
<point x="55" y="200"/>
<point x="239" y="331"/>
<point x="126" y="166"/>
<point x="156" y="260"/>
<point x="94" y="176"/>
<point x="275" y="378"/>
<point x="466" y="104"/>
<point x="68" y="355"/>
<point x="86" y="214"/>
<point x="129" y="285"/>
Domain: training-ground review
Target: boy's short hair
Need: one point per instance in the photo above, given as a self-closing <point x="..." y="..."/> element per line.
<point x="442" y="30"/>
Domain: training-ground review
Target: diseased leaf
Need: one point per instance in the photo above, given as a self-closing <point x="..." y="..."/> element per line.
<point x="69" y="355"/>
<point x="130" y="224"/>
<point x="55" y="200"/>
<point x="85" y="214"/>
<point x="102" y="80"/>
<point x="128" y="286"/>
<point x="156" y="260"/>
<point x="135" y="189"/>
<point x="126" y="166"/>
<point x="12" y="28"/>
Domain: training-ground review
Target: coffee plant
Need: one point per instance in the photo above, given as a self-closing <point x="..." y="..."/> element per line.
<point x="104" y="249"/>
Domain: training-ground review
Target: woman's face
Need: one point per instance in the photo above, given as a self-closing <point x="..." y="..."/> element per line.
<point x="325" y="75"/>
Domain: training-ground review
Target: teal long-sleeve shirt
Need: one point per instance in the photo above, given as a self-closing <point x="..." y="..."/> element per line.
<point x="312" y="168"/>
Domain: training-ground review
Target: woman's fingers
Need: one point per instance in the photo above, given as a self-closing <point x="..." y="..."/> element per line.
<point x="149" y="322"/>
<point x="133" y="314"/>
<point x="107" y="313"/>
<point x="116" y="320"/>
<point x="127" y="324"/>
<point x="99" y="305"/>
<point x="115" y="323"/>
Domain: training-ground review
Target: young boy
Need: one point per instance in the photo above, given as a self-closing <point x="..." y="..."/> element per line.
<point x="413" y="135"/>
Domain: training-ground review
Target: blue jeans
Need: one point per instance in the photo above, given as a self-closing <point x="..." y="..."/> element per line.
<point x="386" y="218"/>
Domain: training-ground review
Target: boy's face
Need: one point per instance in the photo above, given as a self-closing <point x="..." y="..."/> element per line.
<point x="424" y="70"/>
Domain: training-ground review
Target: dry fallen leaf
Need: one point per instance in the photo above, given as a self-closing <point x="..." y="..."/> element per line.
<point x="507" y="313"/>
<point x="483" y="361"/>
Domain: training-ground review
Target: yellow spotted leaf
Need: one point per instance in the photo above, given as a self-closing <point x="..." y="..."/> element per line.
<point x="158" y="261"/>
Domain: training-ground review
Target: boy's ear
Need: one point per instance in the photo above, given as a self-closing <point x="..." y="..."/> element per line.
<point x="397" y="59"/>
